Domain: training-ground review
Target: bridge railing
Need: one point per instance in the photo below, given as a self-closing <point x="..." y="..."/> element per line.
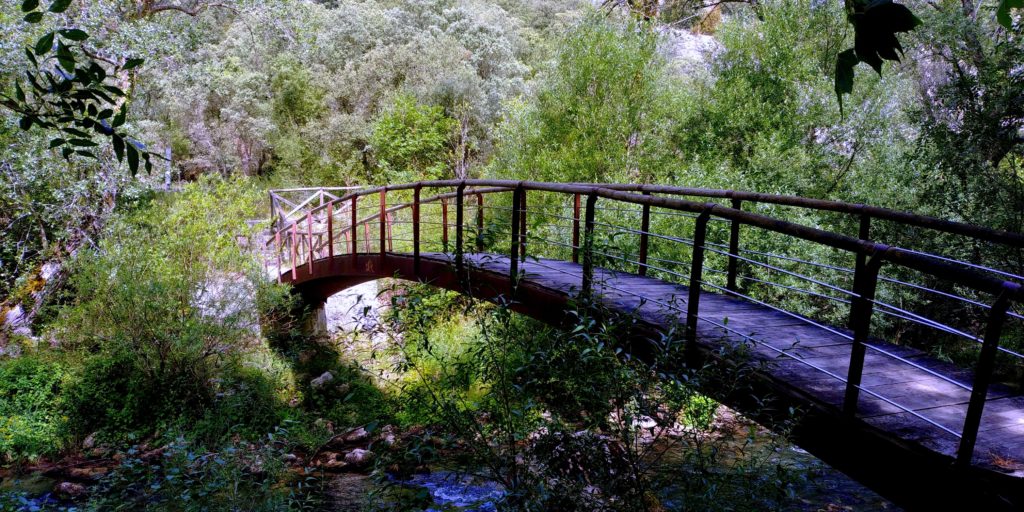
<point x="657" y="231"/>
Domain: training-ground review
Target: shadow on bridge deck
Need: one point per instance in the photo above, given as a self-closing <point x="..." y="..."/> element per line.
<point x="802" y="364"/>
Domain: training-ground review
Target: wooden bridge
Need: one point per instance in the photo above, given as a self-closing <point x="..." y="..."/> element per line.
<point x="844" y="328"/>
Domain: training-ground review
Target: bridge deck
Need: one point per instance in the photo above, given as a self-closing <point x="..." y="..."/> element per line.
<point x="789" y="345"/>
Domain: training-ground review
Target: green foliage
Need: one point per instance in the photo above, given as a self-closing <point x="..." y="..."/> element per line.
<point x="412" y="142"/>
<point x="602" y="113"/>
<point x="185" y="478"/>
<point x="31" y="424"/>
<point x="159" y="306"/>
<point x="875" y="25"/>
<point x="70" y="93"/>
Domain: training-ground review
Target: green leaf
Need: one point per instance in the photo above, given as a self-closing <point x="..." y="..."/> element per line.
<point x="26" y="123"/>
<point x="845" y="63"/>
<point x="75" y="131"/>
<point x="133" y="159"/>
<point x="19" y="93"/>
<point x="58" y="142"/>
<point x="1003" y="11"/>
<point x="29" y="5"/>
<point x="45" y="44"/>
<point x="34" y="17"/>
<point x="118" y="147"/>
<point x="60" y="5"/>
<point x="74" y="34"/>
<point x="120" y="118"/>
<point x="82" y="143"/>
<point x="133" y="63"/>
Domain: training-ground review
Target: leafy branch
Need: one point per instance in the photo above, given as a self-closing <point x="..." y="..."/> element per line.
<point x="875" y="26"/>
<point x="66" y="90"/>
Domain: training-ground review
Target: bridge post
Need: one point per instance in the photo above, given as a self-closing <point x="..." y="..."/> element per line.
<point x="700" y="231"/>
<point x="734" y="248"/>
<point x="330" y="229"/>
<point x="522" y="226"/>
<point x="576" y="229"/>
<point x="983" y="375"/>
<point x="513" y="272"/>
<point x="459" y="219"/>
<point x="353" y="230"/>
<point x="309" y="239"/>
<point x="479" y="223"/>
<point x="277" y="252"/>
<point x="645" y="227"/>
<point x="588" y="248"/>
<point x="382" y="217"/>
<point x="416" y="229"/>
<point x="444" y="224"/>
<point x="865" y="281"/>
<point x="295" y="243"/>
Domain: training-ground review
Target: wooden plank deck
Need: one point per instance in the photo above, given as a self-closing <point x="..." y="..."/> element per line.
<point x="801" y="356"/>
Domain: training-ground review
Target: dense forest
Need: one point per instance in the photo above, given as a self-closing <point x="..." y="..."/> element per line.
<point x="147" y="361"/>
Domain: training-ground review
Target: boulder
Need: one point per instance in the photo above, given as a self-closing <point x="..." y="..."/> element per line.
<point x="322" y="380"/>
<point x="357" y="436"/>
<point x="69" y="490"/>
<point x="359" y="458"/>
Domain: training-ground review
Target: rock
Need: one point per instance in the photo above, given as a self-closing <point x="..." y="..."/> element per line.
<point x="90" y="441"/>
<point x="359" y="458"/>
<point x="387" y="435"/>
<point x="322" y="380"/>
<point x="83" y="473"/>
<point x="331" y="461"/>
<point x="69" y="490"/>
<point x="356" y="436"/>
<point x="290" y="458"/>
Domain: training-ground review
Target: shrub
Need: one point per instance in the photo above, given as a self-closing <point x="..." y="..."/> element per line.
<point x="31" y="424"/>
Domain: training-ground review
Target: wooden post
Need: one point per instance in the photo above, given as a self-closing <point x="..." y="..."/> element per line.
<point x="513" y="272"/>
<point x="330" y="229"/>
<point x="479" y="223"/>
<point x="391" y="236"/>
<point x="576" y="229"/>
<point x="983" y="374"/>
<point x="459" y="220"/>
<point x="700" y="231"/>
<point x="864" y="234"/>
<point x="416" y="230"/>
<point x="309" y="240"/>
<point x="444" y="224"/>
<point x="295" y="241"/>
<point x="734" y="248"/>
<point x="277" y="244"/>
<point x="645" y="226"/>
<point x="865" y="281"/>
<point x="352" y="229"/>
<point x="383" y="226"/>
<point x="587" y="286"/>
<point x="522" y="226"/>
<point x="366" y="236"/>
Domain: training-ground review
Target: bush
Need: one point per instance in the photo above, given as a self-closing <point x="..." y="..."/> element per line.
<point x="159" y="307"/>
<point x="184" y="478"/>
<point x="31" y="424"/>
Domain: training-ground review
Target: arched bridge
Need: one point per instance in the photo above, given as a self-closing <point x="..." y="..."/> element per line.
<point x="902" y="354"/>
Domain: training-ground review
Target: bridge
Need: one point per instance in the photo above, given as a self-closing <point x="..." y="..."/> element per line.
<point x="841" y="305"/>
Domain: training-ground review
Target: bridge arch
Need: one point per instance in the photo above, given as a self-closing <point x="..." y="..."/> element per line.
<point x="685" y="261"/>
